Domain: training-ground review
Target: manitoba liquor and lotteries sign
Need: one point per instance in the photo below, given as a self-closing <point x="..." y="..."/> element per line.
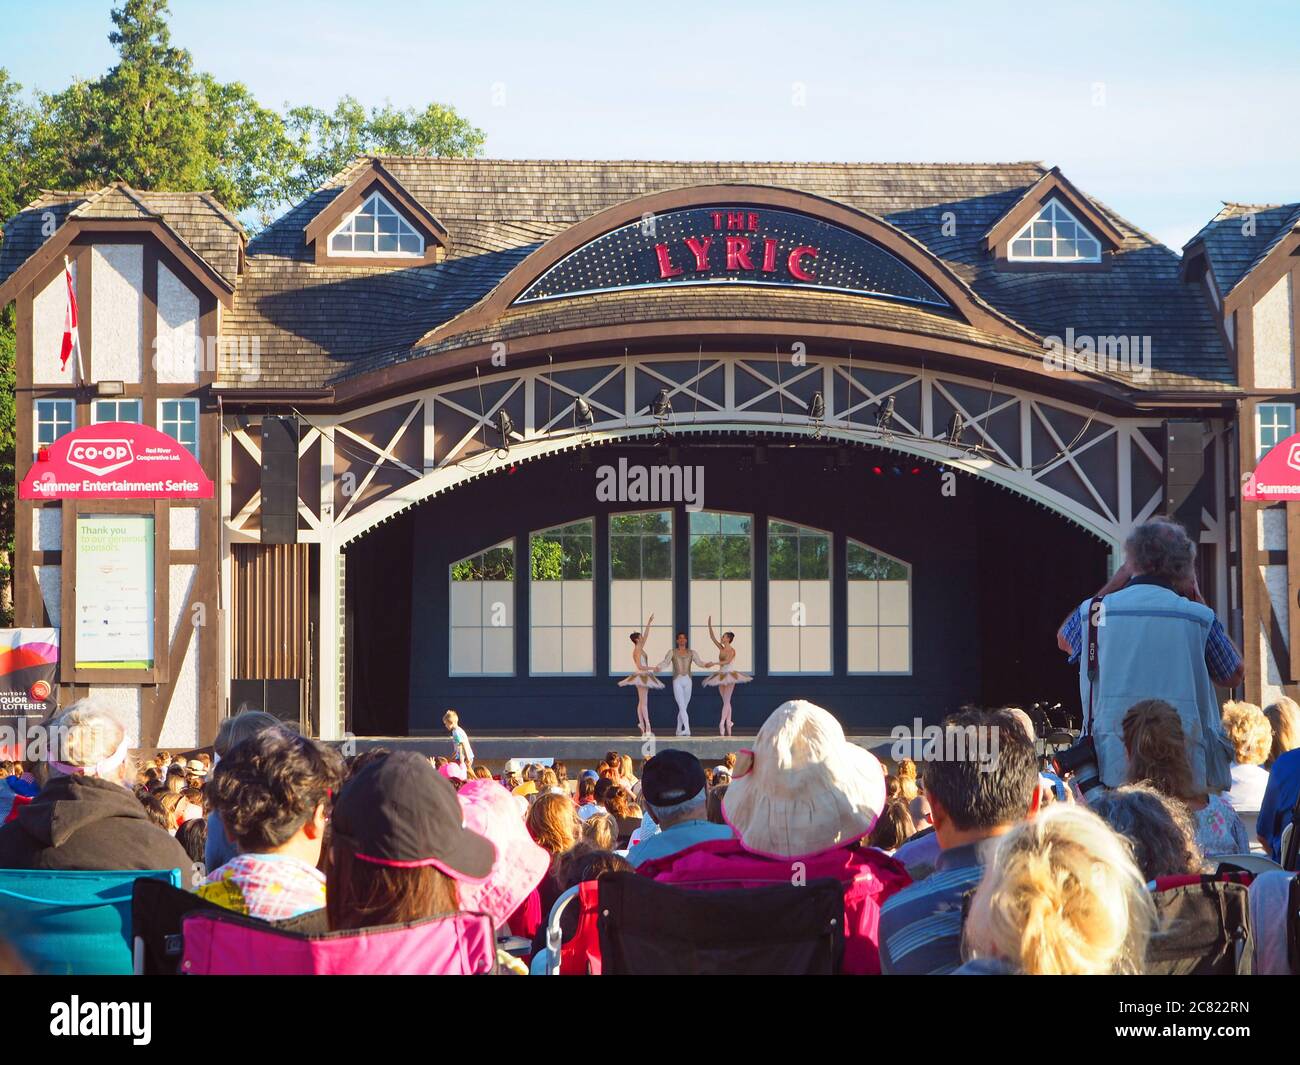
<point x="115" y="460"/>
<point x="733" y="245"/>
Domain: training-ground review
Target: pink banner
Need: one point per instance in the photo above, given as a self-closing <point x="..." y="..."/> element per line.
<point x="115" y="460"/>
<point x="1277" y="477"/>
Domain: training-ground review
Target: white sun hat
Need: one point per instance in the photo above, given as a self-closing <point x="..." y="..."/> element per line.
<point x="804" y="788"/>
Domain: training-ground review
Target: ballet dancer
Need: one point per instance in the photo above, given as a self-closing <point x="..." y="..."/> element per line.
<point x="642" y="678"/>
<point x="681" y="658"/>
<point x="727" y="676"/>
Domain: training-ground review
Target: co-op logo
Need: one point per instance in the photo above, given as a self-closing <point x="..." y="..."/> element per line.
<point x="1293" y="457"/>
<point x="100" y="456"/>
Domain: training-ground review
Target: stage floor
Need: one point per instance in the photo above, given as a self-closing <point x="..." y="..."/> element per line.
<point x="588" y="749"/>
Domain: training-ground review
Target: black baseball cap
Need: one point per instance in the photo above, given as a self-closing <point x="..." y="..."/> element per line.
<point x="398" y="811"/>
<point x="671" y="777"/>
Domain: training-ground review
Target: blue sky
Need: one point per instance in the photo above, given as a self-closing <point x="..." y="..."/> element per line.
<point x="1160" y="110"/>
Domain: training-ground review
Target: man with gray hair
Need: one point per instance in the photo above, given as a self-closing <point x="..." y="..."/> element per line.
<point x="674" y="791"/>
<point x="1155" y="638"/>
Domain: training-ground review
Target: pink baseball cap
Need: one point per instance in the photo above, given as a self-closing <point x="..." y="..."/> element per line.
<point x="521" y="864"/>
<point x="453" y="771"/>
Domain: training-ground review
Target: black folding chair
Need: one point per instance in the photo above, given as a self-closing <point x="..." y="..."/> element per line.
<point x="1202" y="927"/>
<point x="647" y="928"/>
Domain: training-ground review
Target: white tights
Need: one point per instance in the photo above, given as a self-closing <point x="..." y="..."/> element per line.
<point x="682" y="693"/>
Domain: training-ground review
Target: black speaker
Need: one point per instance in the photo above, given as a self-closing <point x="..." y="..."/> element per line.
<point x="280" y="698"/>
<point x="1185" y="484"/>
<point x="279" y="479"/>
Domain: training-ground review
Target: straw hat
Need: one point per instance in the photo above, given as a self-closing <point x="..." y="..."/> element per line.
<point x="804" y="788"/>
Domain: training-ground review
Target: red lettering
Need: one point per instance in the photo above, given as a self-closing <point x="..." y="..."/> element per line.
<point x="735" y="219"/>
<point x="738" y="254"/>
<point x="796" y="269"/>
<point x="717" y="219"/>
<point x="753" y="222"/>
<point x="700" y="248"/>
<point x="769" y="255"/>
<point x="666" y="267"/>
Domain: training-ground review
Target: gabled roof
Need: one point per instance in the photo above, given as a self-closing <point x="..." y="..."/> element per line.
<point x="1053" y="186"/>
<point x="1231" y="251"/>
<point x="196" y="221"/>
<point x="363" y="175"/>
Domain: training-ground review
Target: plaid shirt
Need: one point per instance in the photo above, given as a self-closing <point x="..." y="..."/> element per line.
<point x="1221" y="658"/>
<point x="270" y="887"/>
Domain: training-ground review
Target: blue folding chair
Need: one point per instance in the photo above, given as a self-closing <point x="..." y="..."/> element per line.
<point x="72" y="922"/>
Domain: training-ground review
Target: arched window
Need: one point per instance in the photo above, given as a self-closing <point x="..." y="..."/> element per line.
<point x="482" y="613"/>
<point x="799" y="599"/>
<point x="722" y="583"/>
<point x="376" y="229"/>
<point x="880" y="611"/>
<point x="561" y="599"/>
<point x="640" y="582"/>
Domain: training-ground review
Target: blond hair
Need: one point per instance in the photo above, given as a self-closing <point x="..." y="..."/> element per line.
<point x="1249" y="730"/>
<point x="1284" y="715"/>
<point x="451" y="718"/>
<point x="86" y="735"/>
<point x="1062" y="896"/>
<point x="907" y="779"/>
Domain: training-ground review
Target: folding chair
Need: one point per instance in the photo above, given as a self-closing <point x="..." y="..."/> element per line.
<point x="461" y="944"/>
<point x="1202" y="926"/>
<point x="647" y="928"/>
<point x="158" y="911"/>
<point x="73" y="922"/>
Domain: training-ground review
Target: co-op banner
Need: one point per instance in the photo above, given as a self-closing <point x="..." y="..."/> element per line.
<point x="115" y="460"/>
<point x="1277" y="477"/>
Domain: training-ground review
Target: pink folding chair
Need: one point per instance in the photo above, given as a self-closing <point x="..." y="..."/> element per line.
<point x="460" y="945"/>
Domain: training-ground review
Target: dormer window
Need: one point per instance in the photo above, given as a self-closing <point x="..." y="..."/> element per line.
<point x="1054" y="235"/>
<point x="375" y="229"/>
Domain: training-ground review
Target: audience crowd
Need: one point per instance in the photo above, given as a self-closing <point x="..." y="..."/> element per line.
<point x="988" y="852"/>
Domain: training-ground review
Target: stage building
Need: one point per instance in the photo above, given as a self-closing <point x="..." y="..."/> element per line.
<point x="468" y="422"/>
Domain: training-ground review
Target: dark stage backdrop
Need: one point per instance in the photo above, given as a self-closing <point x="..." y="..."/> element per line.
<point x="992" y="576"/>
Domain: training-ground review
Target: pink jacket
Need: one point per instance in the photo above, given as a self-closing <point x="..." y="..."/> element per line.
<point x="869" y="877"/>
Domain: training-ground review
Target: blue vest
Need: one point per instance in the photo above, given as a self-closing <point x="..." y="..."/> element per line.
<point x="1151" y="645"/>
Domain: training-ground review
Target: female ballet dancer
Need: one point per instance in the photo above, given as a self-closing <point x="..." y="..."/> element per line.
<point x="643" y="679"/>
<point x="681" y="658"/>
<point x="727" y="676"/>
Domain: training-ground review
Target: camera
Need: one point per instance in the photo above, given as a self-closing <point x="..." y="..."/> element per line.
<point x="1081" y="760"/>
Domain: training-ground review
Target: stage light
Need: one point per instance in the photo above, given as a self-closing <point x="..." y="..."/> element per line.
<point x="817" y="409"/>
<point x="662" y="407"/>
<point x="916" y="470"/>
<point x="843" y="458"/>
<point x="956" y="427"/>
<point x="760" y="455"/>
<point x="582" y="412"/>
<point x="897" y="471"/>
<point x="885" y="415"/>
<point x="877" y="471"/>
<point x="505" y="426"/>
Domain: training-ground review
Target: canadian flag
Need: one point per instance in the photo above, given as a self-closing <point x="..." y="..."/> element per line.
<point x="71" y="338"/>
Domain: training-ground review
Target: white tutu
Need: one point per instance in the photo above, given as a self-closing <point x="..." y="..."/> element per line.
<point x="726" y="675"/>
<point x="641" y="679"/>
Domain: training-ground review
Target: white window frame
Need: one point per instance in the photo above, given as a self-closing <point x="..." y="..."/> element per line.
<point x="830" y="587"/>
<point x="62" y="403"/>
<point x="117" y="401"/>
<point x="618" y="662"/>
<point x="533" y="671"/>
<point x="850" y="543"/>
<point x="191" y="404"/>
<point x="722" y="624"/>
<point x="481" y="626"/>
<point x="1287" y="423"/>
<point x="402" y="220"/>
<point x="1026" y="231"/>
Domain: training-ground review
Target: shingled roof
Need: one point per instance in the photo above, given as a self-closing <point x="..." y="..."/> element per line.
<point x="317" y="324"/>
<point x="1238" y="238"/>
<point x="197" y="218"/>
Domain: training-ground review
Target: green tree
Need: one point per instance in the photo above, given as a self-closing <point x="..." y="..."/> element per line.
<point x="156" y="122"/>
